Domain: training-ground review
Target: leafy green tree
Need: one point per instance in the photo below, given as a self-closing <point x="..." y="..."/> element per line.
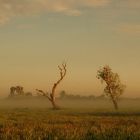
<point x="114" y="88"/>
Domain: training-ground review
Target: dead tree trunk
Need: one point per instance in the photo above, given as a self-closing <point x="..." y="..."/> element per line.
<point x="52" y="95"/>
<point x="54" y="105"/>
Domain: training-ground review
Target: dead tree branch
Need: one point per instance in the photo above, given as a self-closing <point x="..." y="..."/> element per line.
<point x="52" y="95"/>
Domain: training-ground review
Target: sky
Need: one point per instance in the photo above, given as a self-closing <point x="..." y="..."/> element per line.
<point x="38" y="35"/>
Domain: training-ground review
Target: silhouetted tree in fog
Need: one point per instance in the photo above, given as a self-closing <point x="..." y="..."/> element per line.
<point x="113" y="88"/>
<point x="62" y="94"/>
<point x="51" y="96"/>
<point x="18" y="90"/>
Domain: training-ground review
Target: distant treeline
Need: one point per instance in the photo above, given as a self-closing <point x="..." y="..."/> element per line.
<point x="64" y="95"/>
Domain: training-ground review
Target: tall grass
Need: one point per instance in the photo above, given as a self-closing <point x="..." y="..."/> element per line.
<point x="24" y="124"/>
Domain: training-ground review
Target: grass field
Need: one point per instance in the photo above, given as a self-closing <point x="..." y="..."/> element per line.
<point x="90" y="123"/>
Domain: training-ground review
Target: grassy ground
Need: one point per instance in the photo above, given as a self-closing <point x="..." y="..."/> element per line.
<point x="42" y="123"/>
<point x="46" y="124"/>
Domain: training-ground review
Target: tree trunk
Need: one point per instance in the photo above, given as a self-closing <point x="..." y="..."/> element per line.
<point x="115" y="104"/>
<point x="54" y="105"/>
<point x="113" y="100"/>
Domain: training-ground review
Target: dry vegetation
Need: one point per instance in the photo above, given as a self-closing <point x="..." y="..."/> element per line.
<point x="27" y="117"/>
<point x="38" y="123"/>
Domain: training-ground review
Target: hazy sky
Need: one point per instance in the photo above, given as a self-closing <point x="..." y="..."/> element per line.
<point x="38" y="35"/>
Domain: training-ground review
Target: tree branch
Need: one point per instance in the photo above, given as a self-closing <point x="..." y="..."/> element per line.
<point x="41" y="92"/>
<point x="62" y="75"/>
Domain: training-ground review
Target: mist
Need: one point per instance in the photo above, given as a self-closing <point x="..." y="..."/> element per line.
<point x="126" y="104"/>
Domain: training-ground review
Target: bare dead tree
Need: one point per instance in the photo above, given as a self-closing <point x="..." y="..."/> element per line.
<point x="51" y="96"/>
